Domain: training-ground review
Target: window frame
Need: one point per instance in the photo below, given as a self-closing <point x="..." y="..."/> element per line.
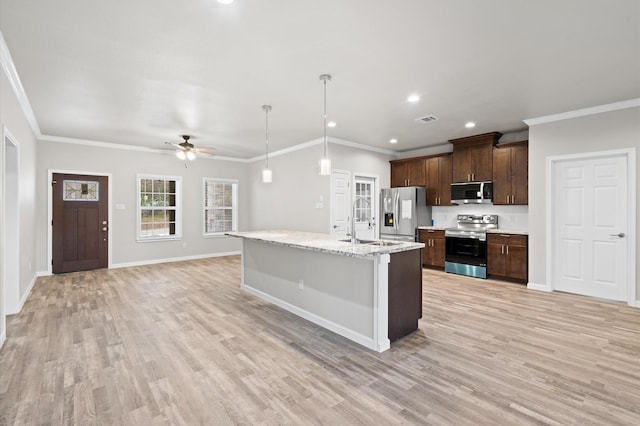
<point x="234" y="207"/>
<point x="178" y="208"/>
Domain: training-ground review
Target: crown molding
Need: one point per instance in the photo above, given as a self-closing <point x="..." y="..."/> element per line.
<point x="320" y="141"/>
<point x="631" y="103"/>
<point x="14" y="80"/>
<point x="125" y="147"/>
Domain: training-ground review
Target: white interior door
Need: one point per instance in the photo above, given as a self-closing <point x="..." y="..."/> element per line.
<point x="589" y="231"/>
<point x="340" y="202"/>
<point x="364" y="193"/>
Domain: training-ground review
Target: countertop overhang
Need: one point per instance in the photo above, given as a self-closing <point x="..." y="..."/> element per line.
<point x="326" y="243"/>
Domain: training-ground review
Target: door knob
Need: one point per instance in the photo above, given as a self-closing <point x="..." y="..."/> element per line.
<point x="620" y="235"/>
<point x="104" y="228"/>
<point x="335" y="226"/>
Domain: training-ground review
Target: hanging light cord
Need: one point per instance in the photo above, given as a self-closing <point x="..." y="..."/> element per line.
<point x="266" y="136"/>
<point x="325" y="115"/>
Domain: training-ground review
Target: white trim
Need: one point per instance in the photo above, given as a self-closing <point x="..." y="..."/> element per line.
<point x="173" y="259"/>
<point x="3" y="337"/>
<point x="538" y="287"/>
<point x="375" y="196"/>
<point x="631" y="103"/>
<point x="322" y="322"/>
<point x="126" y="147"/>
<point x="50" y="173"/>
<point x="26" y="294"/>
<point x="320" y="141"/>
<point x="178" y="208"/>
<point x="298" y="147"/>
<point x="630" y="155"/>
<point x="11" y="305"/>
<point x="18" y="89"/>
<point x="234" y="209"/>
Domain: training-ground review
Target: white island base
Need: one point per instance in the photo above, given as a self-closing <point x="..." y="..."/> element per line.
<point x="340" y="288"/>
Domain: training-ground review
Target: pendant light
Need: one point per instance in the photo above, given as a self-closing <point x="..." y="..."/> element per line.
<point x="325" y="161"/>
<point x="267" y="174"/>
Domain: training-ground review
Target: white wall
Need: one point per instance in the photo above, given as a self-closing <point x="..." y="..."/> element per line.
<point x="124" y="165"/>
<point x="592" y="133"/>
<point x="289" y="202"/>
<point x="14" y="120"/>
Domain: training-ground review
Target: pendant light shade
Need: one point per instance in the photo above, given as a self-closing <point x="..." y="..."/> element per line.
<point x="267" y="174"/>
<point x="325" y="161"/>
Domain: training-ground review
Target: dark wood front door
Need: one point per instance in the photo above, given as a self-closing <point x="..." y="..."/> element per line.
<point x="80" y="222"/>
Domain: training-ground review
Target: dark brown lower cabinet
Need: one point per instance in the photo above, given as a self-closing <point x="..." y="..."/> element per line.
<point x="507" y="256"/>
<point x="434" y="247"/>
<point x="405" y="293"/>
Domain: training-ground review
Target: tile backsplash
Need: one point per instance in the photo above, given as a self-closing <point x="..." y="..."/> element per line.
<point x="509" y="217"/>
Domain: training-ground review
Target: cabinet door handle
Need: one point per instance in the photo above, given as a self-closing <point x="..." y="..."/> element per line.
<point x="502" y="251"/>
<point x="512" y="199"/>
<point x="507" y="250"/>
<point x="507" y="199"/>
<point x="468" y="177"/>
<point x="473" y="176"/>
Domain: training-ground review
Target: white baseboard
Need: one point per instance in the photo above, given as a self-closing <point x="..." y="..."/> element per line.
<point x="539" y="287"/>
<point x="635" y="304"/>
<point x="172" y="259"/>
<point x="24" y="297"/>
<point x="3" y="337"/>
<point x="322" y="322"/>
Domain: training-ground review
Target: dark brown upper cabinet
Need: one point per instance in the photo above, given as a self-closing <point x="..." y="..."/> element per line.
<point x="473" y="157"/>
<point x="510" y="173"/>
<point x="408" y="172"/>
<point x="438" y="180"/>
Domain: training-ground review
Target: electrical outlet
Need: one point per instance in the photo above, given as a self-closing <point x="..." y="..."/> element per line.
<point x="301" y="284"/>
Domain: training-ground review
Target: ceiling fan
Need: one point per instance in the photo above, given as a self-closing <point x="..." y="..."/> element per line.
<point x="187" y="151"/>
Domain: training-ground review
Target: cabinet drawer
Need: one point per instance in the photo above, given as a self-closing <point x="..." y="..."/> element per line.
<point x="424" y="234"/>
<point x="508" y="239"/>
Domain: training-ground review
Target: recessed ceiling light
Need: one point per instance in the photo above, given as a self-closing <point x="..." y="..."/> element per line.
<point x="331" y="124"/>
<point x="470" y="125"/>
<point x="413" y="98"/>
<point x="225" y="1"/>
<point x="394" y="140"/>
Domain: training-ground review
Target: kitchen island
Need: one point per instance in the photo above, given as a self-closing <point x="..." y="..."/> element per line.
<point x="370" y="293"/>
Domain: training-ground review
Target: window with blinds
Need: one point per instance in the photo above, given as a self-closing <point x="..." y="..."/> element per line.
<point x="220" y="206"/>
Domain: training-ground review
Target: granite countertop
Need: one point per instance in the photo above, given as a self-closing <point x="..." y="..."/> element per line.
<point x="432" y="228"/>
<point x="508" y="231"/>
<point x="325" y="243"/>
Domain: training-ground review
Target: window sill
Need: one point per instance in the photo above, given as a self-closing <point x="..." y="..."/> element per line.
<point x="216" y="235"/>
<point x="155" y="239"/>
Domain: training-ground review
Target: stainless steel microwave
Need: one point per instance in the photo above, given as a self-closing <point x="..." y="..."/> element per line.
<point x="472" y="193"/>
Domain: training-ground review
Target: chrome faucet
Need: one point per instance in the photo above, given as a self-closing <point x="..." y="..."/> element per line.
<point x="353" y="218"/>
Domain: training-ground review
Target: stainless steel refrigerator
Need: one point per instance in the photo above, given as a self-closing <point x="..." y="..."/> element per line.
<point x="402" y="210"/>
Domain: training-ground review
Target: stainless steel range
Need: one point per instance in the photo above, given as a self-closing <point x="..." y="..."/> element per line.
<point x="466" y="245"/>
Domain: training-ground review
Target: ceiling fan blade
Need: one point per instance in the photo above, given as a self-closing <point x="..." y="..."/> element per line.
<point x="177" y="145"/>
<point x="205" y="150"/>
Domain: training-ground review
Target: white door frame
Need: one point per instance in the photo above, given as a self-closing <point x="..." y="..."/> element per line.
<point x="50" y="173"/>
<point x="10" y="224"/>
<point x="376" y="197"/>
<point x="331" y="206"/>
<point x="630" y="155"/>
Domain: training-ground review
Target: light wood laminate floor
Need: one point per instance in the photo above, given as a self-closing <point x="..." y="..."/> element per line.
<point x="180" y="343"/>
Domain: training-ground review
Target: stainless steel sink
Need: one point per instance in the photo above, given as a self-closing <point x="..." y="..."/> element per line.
<point x="374" y="242"/>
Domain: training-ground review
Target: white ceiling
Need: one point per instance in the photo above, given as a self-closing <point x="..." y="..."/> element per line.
<point x="145" y="71"/>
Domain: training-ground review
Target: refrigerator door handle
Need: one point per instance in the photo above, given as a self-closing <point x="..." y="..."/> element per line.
<point x="396" y="212"/>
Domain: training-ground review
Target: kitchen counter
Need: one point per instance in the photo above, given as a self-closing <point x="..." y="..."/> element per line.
<point x="368" y="293"/>
<point x="508" y="231"/>
<point x="326" y="243"/>
<point x="432" y="228"/>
